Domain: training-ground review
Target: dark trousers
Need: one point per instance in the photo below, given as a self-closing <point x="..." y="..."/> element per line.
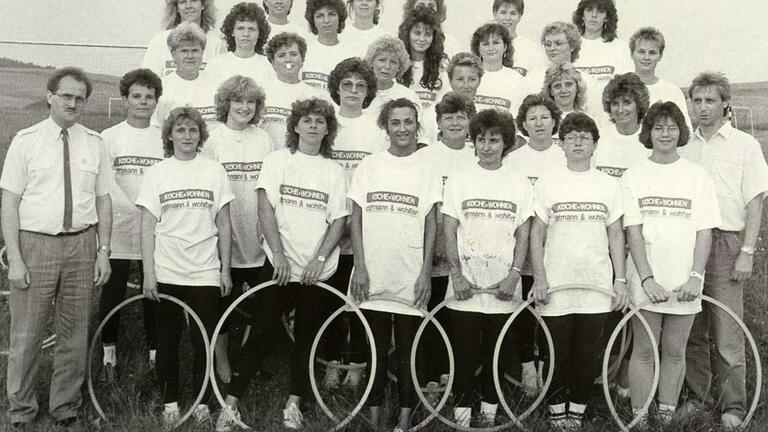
<point x="335" y="347"/>
<point x="113" y="292"/>
<point x="204" y="302"/>
<point x="433" y="354"/>
<point x="524" y="328"/>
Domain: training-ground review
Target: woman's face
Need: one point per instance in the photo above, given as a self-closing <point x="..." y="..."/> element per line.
<point x="594" y="19"/>
<point x="241" y="112"/>
<point x="386" y="65"/>
<point x="578" y="146"/>
<point x="454" y="126"/>
<point x="646" y="56"/>
<point x="288" y="61"/>
<point x="624" y="111"/>
<point x="665" y="135"/>
<point x="492" y="49"/>
<point x="557" y="48"/>
<point x="311" y="129"/>
<point x="508" y="16"/>
<point x="326" y="21"/>
<point x="352" y="91"/>
<point x="246" y="33"/>
<point x="185" y="136"/>
<point x="279" y="8"/>
<point x="190" y="10"/>
<point x="421" y="38"/>
<point x="563" y="91"/>
<point x="188" y="57"/>
<point x="539" y="122"/>
<point x="402" y="127"/>
<point x="489" y="147"/>
<point x="364" y="9"/>
<point x="465" y="81"/>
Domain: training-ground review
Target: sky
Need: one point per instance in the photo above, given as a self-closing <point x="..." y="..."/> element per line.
<point x="729" y="36"/>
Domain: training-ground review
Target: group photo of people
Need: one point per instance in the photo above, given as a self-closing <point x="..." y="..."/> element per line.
<point x="362" y="145"/>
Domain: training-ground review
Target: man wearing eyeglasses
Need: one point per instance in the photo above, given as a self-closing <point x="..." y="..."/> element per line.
<point x="56" y="223"/>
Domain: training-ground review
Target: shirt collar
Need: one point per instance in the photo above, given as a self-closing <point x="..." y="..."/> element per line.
<point x="725" y="131"/>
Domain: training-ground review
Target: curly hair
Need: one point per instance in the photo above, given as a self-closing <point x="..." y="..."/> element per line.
<point x="386" y="110"/>
<point x="537" y="100"/>
<point x="467" y="60"/>
<point x="239" y="88"/>
<point x="172" y="18"/>
<point x="184" y="33"/>
<point x="250" y="12"/>
<point x="579" y="122"/>
<point x="282" y="40"/>
<point x="142" y="77"/>
<point x="177" y="115"/>
<point x="305" y="107"/>
<point x="442" y="9"/>
<point x="347" y="68"/>
<point x="392" y="45"/>
<point x="315" y="5"/>
<point x="629" y="85"/>
<point x="660" y="111"/>
<point x="647" y="34"/>
<point x="376" y="13"/>
<point x="484" y="32"/>
<point x="611" y="19"/>
<point x="558" y="71"/>
<point x="434" y="58"/>
<point x="494" y="121"/>
<point x="518" y="4"/>
<point x="452" y="103"/>
<point x="571" y="33"/>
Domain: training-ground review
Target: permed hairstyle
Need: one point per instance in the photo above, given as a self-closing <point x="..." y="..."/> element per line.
<point x="647" y="34"/>
<point x="239" y="88"/>
<point x="347" y="68"/>
<point x="579" y="122"/>
<point x="392" y="45"/>
<point x="315" y="5"/>
<point x="518" y="4"/>
<point x="571" y="33"/>
<point x="376" y="12"/>
<point x="452" y="103"/>
<point x="659" y="111"/>
<point x="250" y="12"/>
<point x="172" y="17"/>
<point x="177" y="115"/>
<point x="142" y="77"/>
<point x="282" y="40"/>
<point x="467" y="60"/>
<point x="442" y="9"/>
<point x="494" y="121"/>
<point x="75" y="73"/>
<point x="185" y="33"/>
<point x="714" y="79"/>
<point x="611" y="17"/>
<point x="434" y="57"/>
<point x="556" y="72"/>
<point x="484" y="32"/>
<point x="305" y="107"/>
<point x="629" y="85"/>
<point x="386" y="110"/>
<point x="533" y="101"/>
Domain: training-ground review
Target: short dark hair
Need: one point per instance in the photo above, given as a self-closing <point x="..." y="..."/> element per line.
<point x="452" y="103"/>
<point x="304" y="107"/>
<point x="661" y="110"/>
<point x="484" y="32"/>
<point x="494" y="121"/>
<point x="347" y="67"/>
<point x="713" y="79"/>
<point x="465" y="59"/>
<point x="176" y="115"/>
<point x="315" y="5"/>
<point x="386" y="110"/>
<point x="519" y="4"/>
<point x="143" y="77"/>
<point x="535" y="100"/>
<point x="611" y="17"/>
<point x="647" y="34"/>
<point x="579" y="122"/>
<point x="238" y="87"/>
<point x="282" y="40"/>
<point x="70" y="71"/>
<point x="246" y="11"/>
<point x="630" y="85"/>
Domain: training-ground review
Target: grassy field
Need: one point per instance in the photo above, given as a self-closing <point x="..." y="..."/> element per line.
<point x="133" y="402"/>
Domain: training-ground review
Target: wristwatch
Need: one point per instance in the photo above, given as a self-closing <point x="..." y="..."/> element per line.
<point x="696" y="274"/>
<point x="105" y="248"/>
<point x="320" y="258"/>
<point x="749" y="250"/>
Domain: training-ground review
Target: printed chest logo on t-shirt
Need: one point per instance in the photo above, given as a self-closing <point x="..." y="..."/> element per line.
<point x="495" y="102"/>
<point x="532" y="180"/>
<point x="170" y="67"/>
<point x="317" y="80"/>
<point x="208" y="113"/>
<point x="348" y="159"/>
<point x="521" y="70"/>
<point x="611" y="171"/>
<point x="273" y="114"/>
<point x="427" y="98"/>
<point x="185" y="199"/>
<point x="392" y="202"/>
<point x="132" y="165"/>
<point x="309" y="199"/>
<point x="656" y="206"/>
<point x="242" y="171"/>
<point x="576" y="211"/>
<point x="600" y="73"/>
<point x="480" y="208"/>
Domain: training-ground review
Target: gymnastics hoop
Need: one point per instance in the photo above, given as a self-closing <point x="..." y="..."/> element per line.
<point x="391" y="298"/>
<point x="3" y="259"/>
<point x="206" y="342"/>
<point x="321" y="285"/>
<point x="435" y="411"/>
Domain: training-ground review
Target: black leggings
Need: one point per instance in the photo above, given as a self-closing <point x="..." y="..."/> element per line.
<point x="203" y="300"/>
<point x="577" y="351"/>
<point x="405" y="330"/>
<point x="113" y="292"/>
<point x="335" y="347"/>
<point x="474" y="340"/>
<point x="433" y="355"/>
<point x="524" y="327"/>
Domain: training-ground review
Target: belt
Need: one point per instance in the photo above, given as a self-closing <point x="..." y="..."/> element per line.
<point x="62" y="234"/>
<point x="719" y="231"/>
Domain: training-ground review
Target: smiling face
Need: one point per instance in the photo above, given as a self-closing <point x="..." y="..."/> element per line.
<point x="68" y="102"/>
<point x="578" y="146"/>
<point x="240" y="113"/>
<point x="492" y="49"/>
<point x="185" y="136"/>
<point x="508" y="16"/>
<point x="665" y="135"/>
<point x="279" y="8"/>
<point x="352" y="92"/>
<point x="594" y="19"/>
<point x="646" y="56"/>
<point x="311" y="129"/>
<point x="326" y="21"/>
<point x="465" y="81"/>
<point x="454" y="126"/>
<point x="421" y="36"/>
<point x="288" y="62"/>
<point x="190" y="10"/>
<point x="402" y="127"/>
<point x="708" y="105"/>
<point x="624" y="111"/>
<point x="489" y="146"/>
<point x="188" y="57"/>
<point x="246" y="33"/>
<point x="539" y="123"/>
<point x="564" y="91"/>
<point x="140" y="102"/>
<point x="386" y="65"/>
<point x="557" y="48"/>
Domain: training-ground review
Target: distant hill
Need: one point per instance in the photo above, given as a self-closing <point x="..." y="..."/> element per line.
<point x="10" y="63"/>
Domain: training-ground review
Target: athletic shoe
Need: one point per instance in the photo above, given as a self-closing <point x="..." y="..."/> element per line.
<point x="665" y="414"/>
<point x="530" y="378"/>
<point x="621" y="392"/>
<point x="332" y="378"/>
<point x="398" y="429"/>
<point x="691" y="408"/>
<point x="432" y="393"/>
<point x="202" y="414"/>
<point x="171" y="416"/>
<point x="228" y="418"/>
<point x="730" y="421"/>
<point x="574" y="421"/>
<point x="462" y="416"/>
<point x="152" y="358"/>
<point x="292" y="417"/>
<point x="354" y="375"/>
<point x="108" y="373"/>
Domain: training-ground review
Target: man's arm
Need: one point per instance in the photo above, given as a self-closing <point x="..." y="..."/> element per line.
<point x="101" y="269"/>
<point x="742" y="268"/>
<point x="9" y="218"/>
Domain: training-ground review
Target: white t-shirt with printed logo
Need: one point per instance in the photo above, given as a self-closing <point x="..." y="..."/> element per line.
<point x="185" y="197"/>
<point x="242" y="154"/>
<point x="179" y="92"/>
<point x="529" y="56"/>
<point x="158" y="56"/>
<point x="616" y="152"/>
<point x="502" y="90"/>
<point x="277" y="107"/>
<point x="488" y="217"/>
<point x="602" y="60"/>
<point x="428" y="97"/>
<point x="672" y="202"/>
<point x="358" y="40"/>
<point x="308" y="193"/>
<point x="577" y="208"/>
<point x="395" y="195"/>
<point x="224" y="66"/>
<point x="321" y="60"/>
<point x="131" y="152"/>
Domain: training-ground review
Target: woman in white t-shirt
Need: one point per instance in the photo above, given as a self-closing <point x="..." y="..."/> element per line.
<point x="526" y="54"/>
<point x="423" y="38"/>
<point x="670" y="208"/>
<point x="186" y="242"/>
<point x="327" y="20"/>
<point x="577" y="239"/>
<point x="564" y="84"/>
<point x="486" y="241"/>
<point x="394" y="195"/>
<point x="302" y="212"/>
<point x="279" y="21"/>
<point x="389" y="60"/>
<point x="363" y="27"/>
<point x="158" y="57"/>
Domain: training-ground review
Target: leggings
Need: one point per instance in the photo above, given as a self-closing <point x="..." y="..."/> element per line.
<point x="335" y="347"/>
<point x="112" y="293"/>
<point x="475" y="335"/>
<point x="203" y="300"/>
<point x="405" y="330"/>
<point x="524" y="328"/>
<point x="674" y="331"/>
<point x="576" y="355"/>
<point x="433" y="355"/>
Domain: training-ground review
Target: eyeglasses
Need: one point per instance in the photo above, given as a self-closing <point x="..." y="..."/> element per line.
<point x="70" y="98"/>
<point x="659" y="129"/>
<point x="347" y="85"/>
<point x="585" y="138"/>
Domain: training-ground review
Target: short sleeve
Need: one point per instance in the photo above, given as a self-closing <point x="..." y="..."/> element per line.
<point x="541" y="202"/>
<point x="148" y="195"/>
<point x="755" y="180"/>
<point x="153" y="56"/>
<point x="708" y="211"/>
<point x="269" y="178"/>
<point x="357" y="189"/>
<point x="14" y="177"/>
<point x="615" y="207"/>
<point x="435" y="189"/>
<point x="337" y="204"/>
<point x="451" y="199"/>
<point x="225" y="188"/>
<point x="632" y="215"/>
<point x="104" y="179"/>
<point x="526" y="203"/>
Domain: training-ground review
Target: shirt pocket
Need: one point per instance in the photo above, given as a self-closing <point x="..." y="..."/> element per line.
<point x="88" y="168"/>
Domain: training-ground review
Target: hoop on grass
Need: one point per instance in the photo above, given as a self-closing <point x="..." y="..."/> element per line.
<point x="206" y="342"/>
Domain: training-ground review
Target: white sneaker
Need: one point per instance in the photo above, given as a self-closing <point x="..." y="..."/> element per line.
<point x="730" y="422"/>
<point x="433" y="393"/>
<point x="530" y="378"/>
<point x="332" y="378"/>
<point x="202" y="414"/>
<point x="228" y="417"/>
<point x="171" y="416"/>
<point x="292" y="417"/>
<point x="621" y="392"/>
<point x="152" y="358"/>
<point x="462" y="416"/>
